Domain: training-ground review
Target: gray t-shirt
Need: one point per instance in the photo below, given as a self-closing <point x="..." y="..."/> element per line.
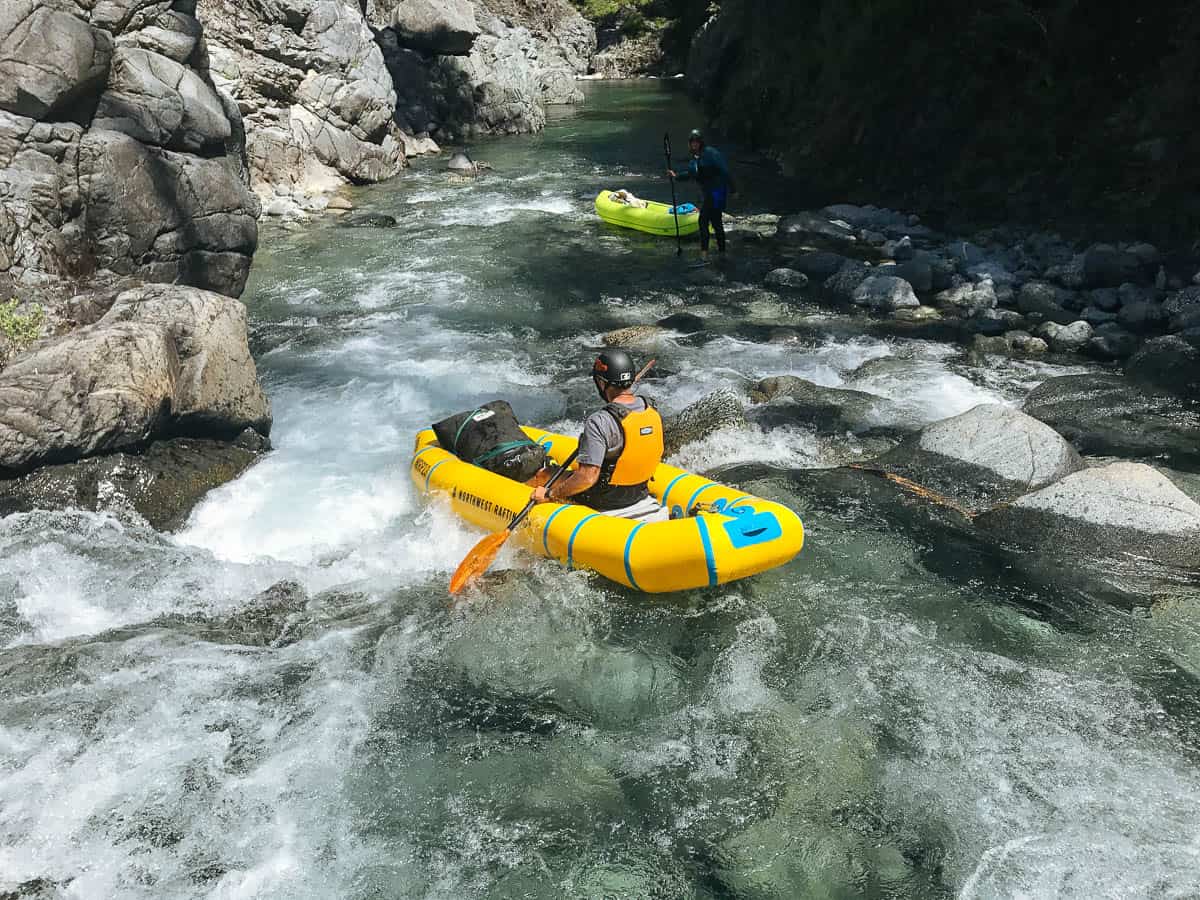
<point x="602" y="434"/>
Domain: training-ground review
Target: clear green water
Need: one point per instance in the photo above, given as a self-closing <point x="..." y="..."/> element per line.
<point x="898" y="713"/>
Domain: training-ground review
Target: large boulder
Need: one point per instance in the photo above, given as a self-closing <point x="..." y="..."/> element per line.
<point x="165" y="216"/>
<point x="720" y="409"/>
<point x="442" y="27"/>
<point x="885" y="293"/>
<point x="968" y="299"/>
<point x="1123" y="509"/>
<point x="50" y="58"/>
<point x="165" y="361"/>
<point x="1066" y="338"/>
<point x="120" y="158"/>
<point x="1183" y="309"/>
<point x="158" y="101"/>
<point x="217" y="389"/>
<point x="987" y="455"/>
<point x="845" y="281"/>
<point x="1037" y="298"/>
<point x="1111" y="415"/>
<point x="97" y="389"/>
<point x="818" y="264"/>
<point x="1169" y="363"/>
<point x="1105" y="266"/>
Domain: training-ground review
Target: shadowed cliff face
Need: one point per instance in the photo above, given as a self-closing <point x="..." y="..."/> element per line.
<point x="1020" y="110"/>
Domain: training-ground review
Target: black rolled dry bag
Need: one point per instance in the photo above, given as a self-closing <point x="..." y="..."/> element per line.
<point x="491" y="437"/>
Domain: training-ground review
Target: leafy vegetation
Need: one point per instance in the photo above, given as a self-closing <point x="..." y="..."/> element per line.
<point x="21" y="329"/>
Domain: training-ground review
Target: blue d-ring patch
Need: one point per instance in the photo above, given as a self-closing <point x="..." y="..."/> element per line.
<point x="748" y="528"/>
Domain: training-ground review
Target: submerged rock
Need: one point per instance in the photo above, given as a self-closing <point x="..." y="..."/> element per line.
<point x="1110" y="415"/>
<point x="368" y="220"/>
<point x="985" y="456"/>
<point x="1123" y="508"/>
<point x="720" y="409"/>
<point x="838" y="410"/>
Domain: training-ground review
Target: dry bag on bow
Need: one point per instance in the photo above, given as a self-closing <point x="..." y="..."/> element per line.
<point x="491" y="437"/>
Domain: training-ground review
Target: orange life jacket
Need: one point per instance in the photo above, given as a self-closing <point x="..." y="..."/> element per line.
<point x="627" y="469"/>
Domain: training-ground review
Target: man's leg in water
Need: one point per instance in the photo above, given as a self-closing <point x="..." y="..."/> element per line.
<point x="706" y="212"/>
<point x="718" y="224"/>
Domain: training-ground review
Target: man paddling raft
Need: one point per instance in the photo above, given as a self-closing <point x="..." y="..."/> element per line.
<point x="707" y="167"/>
<point x="619" y="450"/>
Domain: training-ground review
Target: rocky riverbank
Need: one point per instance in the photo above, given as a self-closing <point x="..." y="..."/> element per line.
<point x="127" y="229"/>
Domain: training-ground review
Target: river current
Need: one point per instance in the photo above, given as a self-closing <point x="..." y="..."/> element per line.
<point x="275" y="702"/>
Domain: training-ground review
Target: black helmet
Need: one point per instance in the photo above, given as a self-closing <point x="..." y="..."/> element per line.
<point x="696" y="136"/>
<point x="614" y="367"/>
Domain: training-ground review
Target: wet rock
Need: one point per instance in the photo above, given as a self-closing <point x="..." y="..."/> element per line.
<point x="1037" y="298"/>
<point x="442" y="27"/>
<point x="967" y="299"/>
<point x="1066" y="338"/>
<point x="720" y="409"/>
<point x="1169" y="363"/>
<point x="1128" y="294"/>
<point x="917" y="271"/>
<point x="1024" y="342"/>
<point x="368" y="220"/>
<point x="918" y="314"/>
<point x="1147" y="254"/>
<point x="460" y="162"/>
<point x="1183" y="309"/>
<point x="1118" y="509"/>
<point x="997" y="344"/>
<point x="1095" y="316"/>
<point x="1107" y="299"/>
<point x="339" y="204"/>
<point x="1069" y="274"/>
<point x="1110" y="415"/>
<point x="1142" y="317"/>
<point x="837" y="410"/>
<point x="810" y="227"/>
<point x="1111" y="341"/>
<point x="684" y="322"/>
<point x="994" y="321"/>
<point x="634" y="336"/>
<point x="818" y="264"/>
<point x="899" y="250"/>
<point x="988" y="455"/>
<point x="843" y="283"/>
<point x="1105" y="266"/>
<point x="786" y="278"/>
<point x="162" y="484"/>
<point x="885" y="293"/>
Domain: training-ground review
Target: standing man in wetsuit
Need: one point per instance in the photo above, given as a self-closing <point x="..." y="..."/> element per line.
<point x="707" y="167"/>
<point x="619" y="450"/>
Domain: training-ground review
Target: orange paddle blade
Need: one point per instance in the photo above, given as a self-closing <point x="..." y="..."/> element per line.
<point x="478" y="561"/>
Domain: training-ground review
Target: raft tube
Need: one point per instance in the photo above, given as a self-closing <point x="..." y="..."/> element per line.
<point x="656" y="218"/>
<point x="717" y="534"/>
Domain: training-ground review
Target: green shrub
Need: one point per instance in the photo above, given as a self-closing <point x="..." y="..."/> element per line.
<point x="21" y="329"/>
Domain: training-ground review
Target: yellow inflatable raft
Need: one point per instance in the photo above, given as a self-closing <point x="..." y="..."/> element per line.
<point x="717" y="534"/>
<point x="655" y="218"/>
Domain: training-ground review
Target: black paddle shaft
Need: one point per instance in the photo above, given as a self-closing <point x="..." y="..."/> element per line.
<point x="674" y="202"/>
<point x="562" y="470"/>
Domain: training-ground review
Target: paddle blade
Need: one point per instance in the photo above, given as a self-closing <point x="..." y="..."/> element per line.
<point x="478" y="561"/>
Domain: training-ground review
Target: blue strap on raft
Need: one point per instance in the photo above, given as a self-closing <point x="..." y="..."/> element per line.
<point x="683" y="209"/>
